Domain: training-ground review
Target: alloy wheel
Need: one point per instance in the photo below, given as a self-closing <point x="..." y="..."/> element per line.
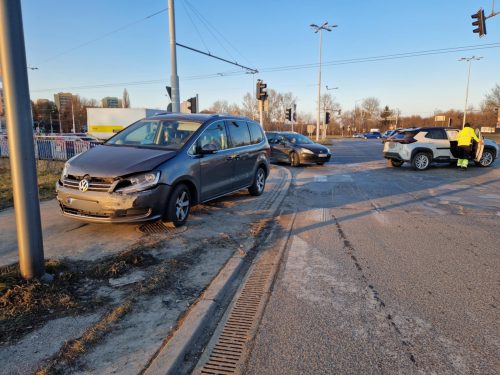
<point x="422" y="161"/>
<point x="261" y="179"/>
<point x="182" y="206"/>
<point x="486" y="159"/>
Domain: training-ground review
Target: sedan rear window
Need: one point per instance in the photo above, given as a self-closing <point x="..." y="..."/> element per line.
<point x="169" y="134"/>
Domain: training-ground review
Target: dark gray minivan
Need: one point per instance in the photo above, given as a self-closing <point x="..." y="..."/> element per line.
<point x="158" y="167"/>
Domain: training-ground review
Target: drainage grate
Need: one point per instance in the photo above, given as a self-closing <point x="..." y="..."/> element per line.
<point x="227" y="355"/>
<point x="159" y="228"/>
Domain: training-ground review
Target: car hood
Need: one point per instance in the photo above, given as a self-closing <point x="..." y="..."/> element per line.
<point x="316" y="148"/>
<point x="117" y="161"/>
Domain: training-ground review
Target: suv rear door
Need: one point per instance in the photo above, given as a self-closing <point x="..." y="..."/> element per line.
<point x="440" y="143"/>
<point x="244" y="156"/>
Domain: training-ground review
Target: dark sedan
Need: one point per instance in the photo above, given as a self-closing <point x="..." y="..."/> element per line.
<point x="372" y="135"/>
<point x="296" y="149"/>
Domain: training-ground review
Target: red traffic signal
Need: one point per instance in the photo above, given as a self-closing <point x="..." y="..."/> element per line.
<point x="480" y="22"/>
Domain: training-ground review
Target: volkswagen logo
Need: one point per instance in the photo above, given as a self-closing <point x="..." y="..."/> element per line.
<point x="83" y="186"/>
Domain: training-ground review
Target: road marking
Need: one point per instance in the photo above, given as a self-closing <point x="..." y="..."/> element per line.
<point x="320" y="179"/>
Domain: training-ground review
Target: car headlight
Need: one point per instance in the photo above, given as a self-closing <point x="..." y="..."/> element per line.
<point x="138" y="182"/>
<point x="306" y="151"/>
<point x="66" y="167"/>
<point x="64" y="173"/>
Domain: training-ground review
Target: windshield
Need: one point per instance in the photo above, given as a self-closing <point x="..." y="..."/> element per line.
<point x="298" y="139"/>
<point x="167" y="134"/>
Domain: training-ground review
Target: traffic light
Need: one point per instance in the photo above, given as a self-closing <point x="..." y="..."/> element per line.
<point x="288" y="114"/>
<point x="327" y="117"/>
<point x="480" y="22"/>
<point x="193" y="105"/>
<point x="261" y="90"/>
<point x="294" y="116"/>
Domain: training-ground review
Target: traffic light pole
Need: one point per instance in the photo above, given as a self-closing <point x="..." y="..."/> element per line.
<point x="20" y="130"/>
<point x="174" y="78"/>
<point x="261" y="112"/>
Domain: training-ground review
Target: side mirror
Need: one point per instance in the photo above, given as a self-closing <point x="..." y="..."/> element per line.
<point x="208" y="148"/>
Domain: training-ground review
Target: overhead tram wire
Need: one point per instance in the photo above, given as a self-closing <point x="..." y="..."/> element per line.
<point x="194" y="25"/>
<point x="296" y="67"/>
<point x="210" y="26"/>
<point x="104" y="35"/>
<point x="383" y="57"/>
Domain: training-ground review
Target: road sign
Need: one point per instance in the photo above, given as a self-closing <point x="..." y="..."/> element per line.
<point x="439" y="118"/>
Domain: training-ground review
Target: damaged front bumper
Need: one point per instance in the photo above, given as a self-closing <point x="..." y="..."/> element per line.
<point x="104" y="207"/>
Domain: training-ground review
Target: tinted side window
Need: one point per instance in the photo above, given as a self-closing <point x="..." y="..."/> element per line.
<point x="255" y="132"/>
<point x="238" y="131"/>
<point x="436" y="134"/>
<point x="215" y="134"/>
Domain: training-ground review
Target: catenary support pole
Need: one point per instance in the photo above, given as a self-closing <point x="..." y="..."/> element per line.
<point x="20" y="130"/>
<point x="319" y="85"/>
<point x="174" y="78"/>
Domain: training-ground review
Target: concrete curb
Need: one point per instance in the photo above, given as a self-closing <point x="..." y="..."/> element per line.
<point x="171" y="356"/>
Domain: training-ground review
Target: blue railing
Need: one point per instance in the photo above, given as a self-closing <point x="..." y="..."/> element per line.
<point x="56" y="148"/>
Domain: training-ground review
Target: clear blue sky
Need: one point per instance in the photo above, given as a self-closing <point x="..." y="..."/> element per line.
<point x="263" y="35"/>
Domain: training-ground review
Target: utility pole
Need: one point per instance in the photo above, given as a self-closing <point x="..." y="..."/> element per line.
<point x="469" y="60"/>
<point x="20" y="129"/>
<point x="174" y="78"/>
<point x="319" y="29"/>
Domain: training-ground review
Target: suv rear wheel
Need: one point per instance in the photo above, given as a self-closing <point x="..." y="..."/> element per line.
<point x="421" y="161"/>
<point x="259" y="182"/>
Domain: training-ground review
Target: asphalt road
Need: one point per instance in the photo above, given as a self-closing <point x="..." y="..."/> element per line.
<point x="388" y="271"/>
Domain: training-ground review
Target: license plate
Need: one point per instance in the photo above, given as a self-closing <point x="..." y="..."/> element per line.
<point x="322" y="155"/>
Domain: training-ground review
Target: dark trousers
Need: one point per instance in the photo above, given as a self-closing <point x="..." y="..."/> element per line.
<point x="464" y="152"/>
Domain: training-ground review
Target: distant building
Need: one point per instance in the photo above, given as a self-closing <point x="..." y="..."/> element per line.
<point x="63" y="101"/>
<point x="111" y="102"/>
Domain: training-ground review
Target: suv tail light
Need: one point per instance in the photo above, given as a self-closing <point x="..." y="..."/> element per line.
<point x="407" y="141"/>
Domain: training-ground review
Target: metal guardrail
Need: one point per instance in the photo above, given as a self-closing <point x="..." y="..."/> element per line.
<point x="52" y="149"/>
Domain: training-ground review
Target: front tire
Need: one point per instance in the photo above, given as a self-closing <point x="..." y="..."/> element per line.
<point x="421" y="161"/>
<point x="294" y="159"/>
<point x="178" y="206"/>
<point x="487" y="159"/>
<point x="321" y="163"/>
<point x="259" y="182"/>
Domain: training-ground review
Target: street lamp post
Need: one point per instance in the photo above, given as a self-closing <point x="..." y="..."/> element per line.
<point x="319" y="29"/>
<point x="469" y="60"/>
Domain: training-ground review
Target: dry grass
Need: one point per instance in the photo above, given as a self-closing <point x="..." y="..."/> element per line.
<point x="46" y="186"/>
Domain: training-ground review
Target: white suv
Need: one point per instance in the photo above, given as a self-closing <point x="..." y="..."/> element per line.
<point x="422" y="146"/>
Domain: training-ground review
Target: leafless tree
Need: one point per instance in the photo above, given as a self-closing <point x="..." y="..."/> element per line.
<point x="249" y="106"/>
<point x="219" y="106"/>
<point x="126" y="99"/>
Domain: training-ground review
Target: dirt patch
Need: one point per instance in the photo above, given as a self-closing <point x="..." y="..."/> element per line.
<point x="47" y="179"/>
<point x="163" y="277"/>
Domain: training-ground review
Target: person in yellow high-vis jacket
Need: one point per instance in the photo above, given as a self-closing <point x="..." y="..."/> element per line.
<point x="465" y="137"/>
